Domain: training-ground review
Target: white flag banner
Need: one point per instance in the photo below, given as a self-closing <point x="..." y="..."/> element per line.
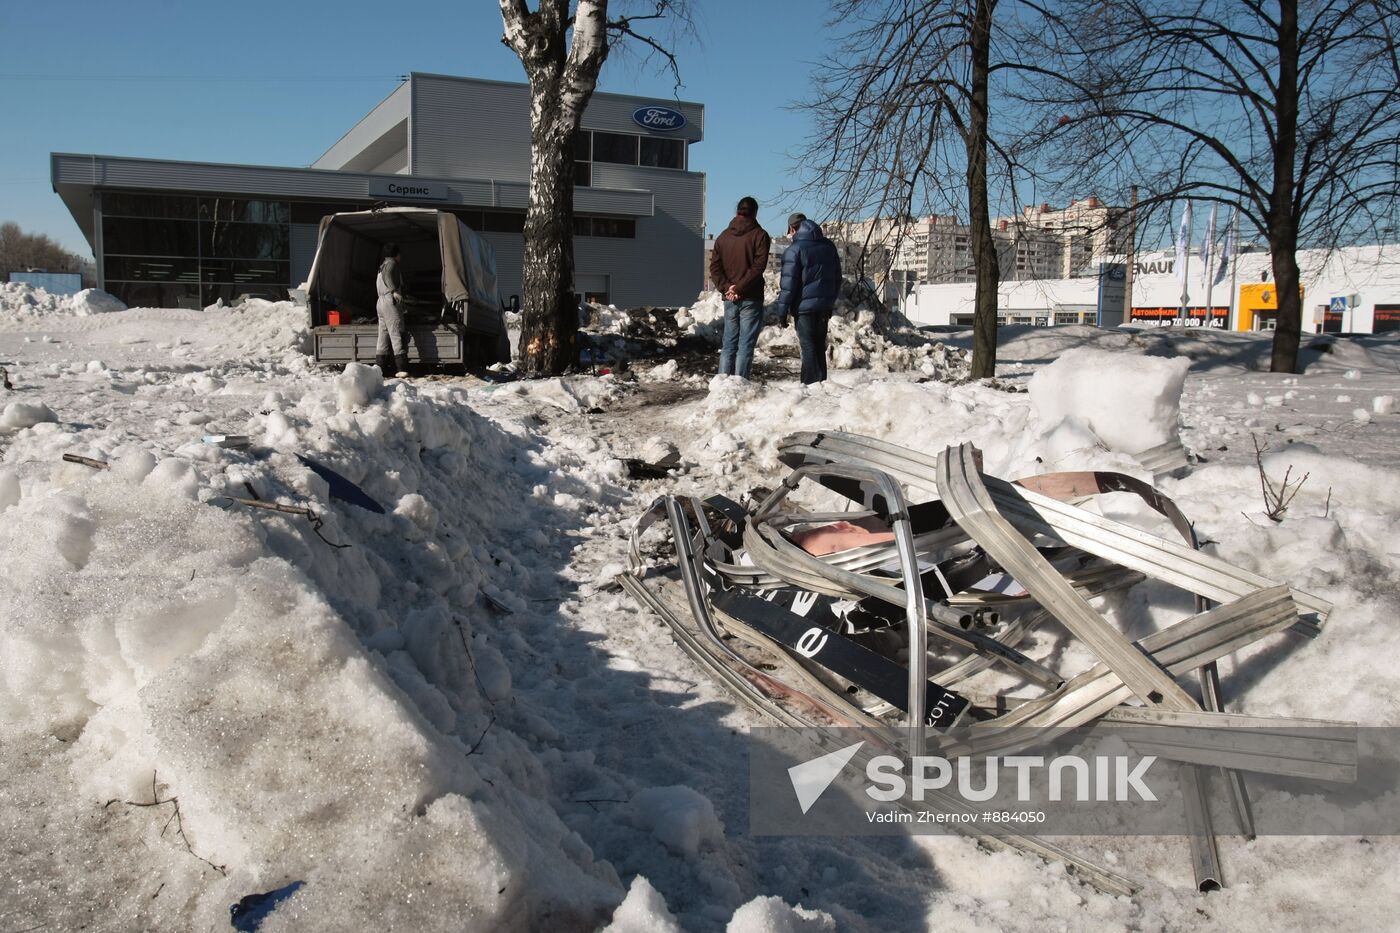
<point x="1183" y="245"/>
<point x="1208" y="251"/>
<point x="1227" y="252"/>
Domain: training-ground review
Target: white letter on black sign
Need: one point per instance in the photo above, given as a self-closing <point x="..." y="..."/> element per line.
<point x="812" y="641"/>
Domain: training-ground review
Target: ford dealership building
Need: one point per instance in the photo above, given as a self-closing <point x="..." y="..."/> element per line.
<point x="184" y="234"/>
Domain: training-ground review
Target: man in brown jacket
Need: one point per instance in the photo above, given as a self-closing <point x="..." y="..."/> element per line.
<point x="737" y="262"/>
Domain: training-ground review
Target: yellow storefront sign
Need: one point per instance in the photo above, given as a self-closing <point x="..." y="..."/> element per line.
<point x="1257" y="297"/>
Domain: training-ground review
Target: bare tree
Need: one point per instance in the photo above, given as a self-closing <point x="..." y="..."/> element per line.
<point x="563" y="54"/>
<point x="903" y="124"/>
<point x="1288" y="111"/>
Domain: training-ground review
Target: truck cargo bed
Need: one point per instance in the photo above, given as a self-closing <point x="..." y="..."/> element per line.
<point x="427" y="346"/>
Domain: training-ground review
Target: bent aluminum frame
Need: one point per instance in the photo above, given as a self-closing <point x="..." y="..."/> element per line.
<point x="1003" y="520"/>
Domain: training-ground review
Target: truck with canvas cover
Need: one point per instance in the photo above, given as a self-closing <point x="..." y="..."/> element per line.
<point x="453" y="312"/>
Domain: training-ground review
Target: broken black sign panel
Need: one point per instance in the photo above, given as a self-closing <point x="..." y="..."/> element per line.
<point x="884" y="678"/>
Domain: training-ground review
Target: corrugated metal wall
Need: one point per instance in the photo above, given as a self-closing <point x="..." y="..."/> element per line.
<point x="664" y="264"/>
<point x="470" y="129"/>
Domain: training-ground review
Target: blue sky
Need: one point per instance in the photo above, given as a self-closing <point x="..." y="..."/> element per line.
<point x="278" y="83"/>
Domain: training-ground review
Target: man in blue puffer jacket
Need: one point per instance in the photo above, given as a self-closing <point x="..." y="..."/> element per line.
<point x="811" y="283"/>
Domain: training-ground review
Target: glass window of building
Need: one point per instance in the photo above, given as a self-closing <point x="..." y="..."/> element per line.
<point x="135" y="204"/>
<point x="244" y="241"/>
<point x="663" y="153"/>
<point x="615" y="227"/>
<point x="145" y="236"/>
<point x="504" y="222"/>
<point x="247" y="210"/>
<point x="618" y="148"/>
<point x="187" y="251"/>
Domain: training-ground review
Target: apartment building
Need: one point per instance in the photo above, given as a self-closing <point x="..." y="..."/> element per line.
<point x="1043" y="242"/>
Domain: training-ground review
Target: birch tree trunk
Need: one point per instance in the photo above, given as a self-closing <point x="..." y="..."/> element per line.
<point x="562" y="75"/>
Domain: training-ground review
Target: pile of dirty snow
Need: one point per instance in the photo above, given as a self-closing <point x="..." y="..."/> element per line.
<point x="861" y="335"/>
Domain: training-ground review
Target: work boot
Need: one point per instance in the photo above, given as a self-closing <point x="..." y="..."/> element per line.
<point x="385" y="362"/>
<point x="401" y="360"/>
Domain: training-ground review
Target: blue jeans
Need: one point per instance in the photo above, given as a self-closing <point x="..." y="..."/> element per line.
<point x="811" y="337"/>
<point x="743" y="320"/>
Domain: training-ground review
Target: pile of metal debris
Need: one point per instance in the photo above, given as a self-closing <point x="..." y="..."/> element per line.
<point x="935" y="572"/>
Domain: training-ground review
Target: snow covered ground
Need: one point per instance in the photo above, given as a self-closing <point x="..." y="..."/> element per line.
<point x="454" y="722"/>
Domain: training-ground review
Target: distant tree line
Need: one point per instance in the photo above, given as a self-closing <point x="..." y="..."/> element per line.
<point x="20" y="252"/>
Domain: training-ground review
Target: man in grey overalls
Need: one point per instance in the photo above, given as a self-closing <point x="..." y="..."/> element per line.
<point x="389" y="284"/>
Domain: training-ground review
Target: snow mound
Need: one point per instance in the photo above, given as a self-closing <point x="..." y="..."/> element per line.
<point x="681" y="818"/>
<point x="1131" y="403"/>
<point x="94" y="301"/>
<point x="357" y="385"/>
<point x="773" y="915"/>
<point x="25" y="415"/>
<point x="22" y="301"/>
<point x="643" y="911"/>
<point x="261" y="328"/>
<point x="854" y="341"/>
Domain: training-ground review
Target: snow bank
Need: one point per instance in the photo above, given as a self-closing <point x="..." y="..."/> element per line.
<point x="341" y="717"/>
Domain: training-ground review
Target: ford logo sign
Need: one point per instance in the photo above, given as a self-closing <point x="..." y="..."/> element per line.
<point x="654" y="117"/>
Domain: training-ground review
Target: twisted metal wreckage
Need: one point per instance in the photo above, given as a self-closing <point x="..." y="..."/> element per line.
<point x="804" y="616"/>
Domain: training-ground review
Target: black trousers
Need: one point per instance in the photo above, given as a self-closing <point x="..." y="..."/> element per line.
<point x="811" y="337"/>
